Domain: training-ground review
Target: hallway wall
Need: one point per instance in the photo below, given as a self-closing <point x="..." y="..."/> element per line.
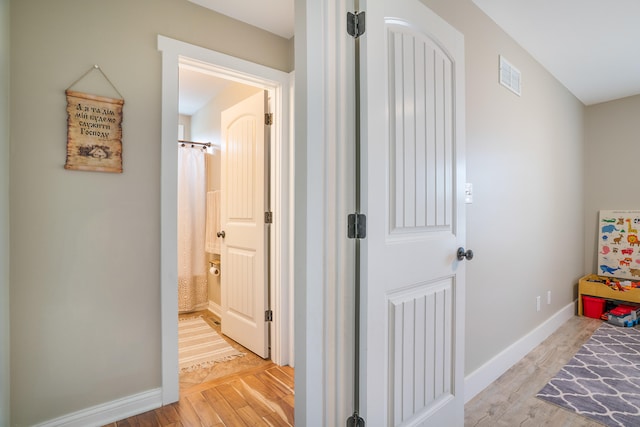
<point x="525" y="161"/>
<point x="4" y="213"/>
<point x="85" y="246"/>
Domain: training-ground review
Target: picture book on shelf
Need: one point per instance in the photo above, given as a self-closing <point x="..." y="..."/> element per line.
<point x="618" y="244"/>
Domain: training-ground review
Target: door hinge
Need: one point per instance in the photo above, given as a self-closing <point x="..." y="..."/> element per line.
<point x="268" y="119"/>
<point x="356" y="226"/>
<point x="268" y="217"/>
<point x="268" y="316"/>
<point x="355" y="24"/>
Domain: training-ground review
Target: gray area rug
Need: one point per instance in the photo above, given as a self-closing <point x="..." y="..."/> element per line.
<point x="602" y="381"/>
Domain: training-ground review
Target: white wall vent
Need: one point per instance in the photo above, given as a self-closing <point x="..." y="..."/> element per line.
<point x="510" y="77"/>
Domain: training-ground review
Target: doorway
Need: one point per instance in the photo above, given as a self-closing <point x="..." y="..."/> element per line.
<point x="178" y="54"/>
<point x="225" y="132"/>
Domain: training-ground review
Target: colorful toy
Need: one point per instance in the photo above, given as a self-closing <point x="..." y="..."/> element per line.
<point x="624" y="315"/>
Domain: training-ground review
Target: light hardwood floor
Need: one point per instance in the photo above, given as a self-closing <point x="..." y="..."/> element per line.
<point x="246" y="391"/>
<point x="510" y="400"/>
<point x="219" y="370"/>
<point x="261" y="396"/>
<point x="264" y="394"/>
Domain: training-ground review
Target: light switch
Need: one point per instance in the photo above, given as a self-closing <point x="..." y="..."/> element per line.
<point x="468" y="193"/>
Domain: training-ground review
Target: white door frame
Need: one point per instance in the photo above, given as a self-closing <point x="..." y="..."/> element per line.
<point x="325" y="258"/>
<point x="175" y="52"/>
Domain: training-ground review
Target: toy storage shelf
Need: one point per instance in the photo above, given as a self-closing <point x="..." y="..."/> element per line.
<point x="587" y="286"/>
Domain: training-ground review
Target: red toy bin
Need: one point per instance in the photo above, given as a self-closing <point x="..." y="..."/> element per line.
<point x="592" y="307"/>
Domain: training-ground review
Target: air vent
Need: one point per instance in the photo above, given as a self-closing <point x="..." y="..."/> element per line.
<point x="510" y="77"/>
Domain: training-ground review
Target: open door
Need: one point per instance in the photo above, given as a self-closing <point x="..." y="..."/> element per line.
<point x="244" y="248"/>
<point x="413" y="181"/>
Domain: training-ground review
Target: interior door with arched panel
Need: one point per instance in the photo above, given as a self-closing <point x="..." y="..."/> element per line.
<point x="244" y="269"/>
<point x="413" y="185"/>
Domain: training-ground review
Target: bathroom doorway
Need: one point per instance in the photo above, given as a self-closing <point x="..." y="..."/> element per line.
<point x="224" y="128"/>
<point x="210" y="64"/>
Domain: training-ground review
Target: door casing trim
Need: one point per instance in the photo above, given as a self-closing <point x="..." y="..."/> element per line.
<point x="174" y="53"/>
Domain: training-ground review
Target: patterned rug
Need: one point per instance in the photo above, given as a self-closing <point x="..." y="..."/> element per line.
<point x="200" y="346"/>
<point x="602" y="381"/>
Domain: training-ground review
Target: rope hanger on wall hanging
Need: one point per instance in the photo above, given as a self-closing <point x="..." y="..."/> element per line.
<point x="96" y="67"/>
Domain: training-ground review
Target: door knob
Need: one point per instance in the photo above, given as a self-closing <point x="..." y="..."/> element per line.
<point x="220" y="234"/>
<point x="462" y="254"/>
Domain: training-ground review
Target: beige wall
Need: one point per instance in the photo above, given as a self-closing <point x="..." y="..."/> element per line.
<point x="611" y="178"/>
<point x="525" y="160"/>
<point x="4" y="213"/>
<point x="85" y="256"/>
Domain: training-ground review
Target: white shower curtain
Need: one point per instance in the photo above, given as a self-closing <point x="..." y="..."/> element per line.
<point x="192" y="262"/>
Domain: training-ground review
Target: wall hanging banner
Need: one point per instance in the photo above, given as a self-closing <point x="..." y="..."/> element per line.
<point x="94" y="132"/>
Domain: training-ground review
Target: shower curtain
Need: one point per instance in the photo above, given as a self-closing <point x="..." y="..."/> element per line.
<point x="192" y="262"/>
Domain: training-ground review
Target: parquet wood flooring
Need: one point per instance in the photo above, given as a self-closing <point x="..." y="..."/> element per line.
<point x="260" y="396"/>
<point x="246" y="391"/>
<point x="219" y="370"/>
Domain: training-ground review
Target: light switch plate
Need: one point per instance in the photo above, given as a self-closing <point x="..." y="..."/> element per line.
<point x="468" y="193"/>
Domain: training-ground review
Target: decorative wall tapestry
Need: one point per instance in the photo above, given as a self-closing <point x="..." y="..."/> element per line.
<point x="618" y="244"/>
<point x="94" y="131"/>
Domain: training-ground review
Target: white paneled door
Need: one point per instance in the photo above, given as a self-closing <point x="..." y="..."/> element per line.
<point x="244" y="285"/>
<point x="413" y="181"/>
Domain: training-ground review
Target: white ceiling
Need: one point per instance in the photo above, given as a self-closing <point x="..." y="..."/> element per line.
<point x="590" y="46"/>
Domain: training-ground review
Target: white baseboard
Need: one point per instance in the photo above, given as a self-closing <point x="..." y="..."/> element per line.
<point x="215" y="309"/>
<point x="119" y="409"/>
<point x="474" y="383"/>
<point x="109" y="412"/>
<point x="482" y="377"/>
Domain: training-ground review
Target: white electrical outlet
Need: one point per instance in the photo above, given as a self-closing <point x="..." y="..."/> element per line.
<point x="548" y="297"/>
<point x="538" y="303"/>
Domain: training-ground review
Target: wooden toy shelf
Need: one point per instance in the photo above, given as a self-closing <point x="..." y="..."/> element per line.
<point x="587" y="286"/>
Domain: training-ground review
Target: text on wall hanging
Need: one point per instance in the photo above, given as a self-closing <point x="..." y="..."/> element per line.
<point x="94" y="132"/>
